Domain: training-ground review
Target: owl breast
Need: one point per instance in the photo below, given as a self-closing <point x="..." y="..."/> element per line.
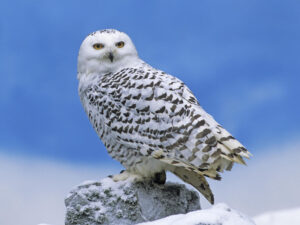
<point x="112" y="104"/>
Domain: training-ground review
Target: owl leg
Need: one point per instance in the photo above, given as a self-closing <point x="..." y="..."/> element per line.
<point x="160" y="178"/>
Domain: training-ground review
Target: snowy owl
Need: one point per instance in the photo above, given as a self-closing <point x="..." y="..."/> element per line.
<point x="149" y="120"/>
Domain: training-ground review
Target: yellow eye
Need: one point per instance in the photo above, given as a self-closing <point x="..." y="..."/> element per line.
<point x="98" y="46"/>
<point x="120" y="44"/>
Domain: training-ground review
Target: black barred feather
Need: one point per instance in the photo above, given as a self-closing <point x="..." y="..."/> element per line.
<point x="141" y="113"/>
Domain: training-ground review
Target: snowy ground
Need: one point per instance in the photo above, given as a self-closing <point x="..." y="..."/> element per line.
<point x="282" y="217"/>
<point x="214" y="215"/>
<point x="217" y="214"/>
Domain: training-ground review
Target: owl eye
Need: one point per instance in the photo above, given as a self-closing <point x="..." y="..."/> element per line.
<point x="98" y="46"/>
<point x="120" y="44"/>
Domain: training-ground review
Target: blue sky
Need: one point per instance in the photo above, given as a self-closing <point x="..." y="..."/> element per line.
<point x="240" y="58"/>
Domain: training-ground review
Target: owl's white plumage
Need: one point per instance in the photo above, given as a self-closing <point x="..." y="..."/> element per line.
<point x="149" y="120"/>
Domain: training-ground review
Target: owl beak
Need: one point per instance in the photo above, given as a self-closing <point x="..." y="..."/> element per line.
<point x="111" y="56"/>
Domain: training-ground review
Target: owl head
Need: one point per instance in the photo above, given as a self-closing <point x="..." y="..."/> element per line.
<point x="105" y="51"/>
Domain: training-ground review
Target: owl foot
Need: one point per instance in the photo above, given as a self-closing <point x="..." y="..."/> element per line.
<point x="124" y="175"/>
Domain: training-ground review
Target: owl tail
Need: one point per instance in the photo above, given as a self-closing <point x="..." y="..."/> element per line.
<point x="197" y="180"/>
<point x="229" y="151"/>
<point x="188" y="173"/>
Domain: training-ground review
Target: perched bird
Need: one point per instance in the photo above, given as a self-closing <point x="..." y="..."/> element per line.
<point x="149" y="120"/>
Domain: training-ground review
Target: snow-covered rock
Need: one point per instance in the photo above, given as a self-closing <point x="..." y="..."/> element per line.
<point x="219" y="214"/>
<point x="283" y="217"/>
<point x="124" y="202"/>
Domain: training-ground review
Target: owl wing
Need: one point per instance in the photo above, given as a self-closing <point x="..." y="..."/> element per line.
<point x="157" y="114"/>
<point x="156" y="111"/>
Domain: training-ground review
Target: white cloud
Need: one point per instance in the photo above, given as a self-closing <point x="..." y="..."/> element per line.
<point x="235" y="107"/>
<point x="32" y="191"/>
<point x="270" y="182"/>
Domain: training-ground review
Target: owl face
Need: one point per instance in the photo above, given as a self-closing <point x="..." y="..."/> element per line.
<point x="104" y="51"/>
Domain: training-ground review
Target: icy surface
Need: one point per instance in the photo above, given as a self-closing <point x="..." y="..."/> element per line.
<point x="283" y="217"/>
<point x="219" y="214"/>
<point x="124" y="202"/>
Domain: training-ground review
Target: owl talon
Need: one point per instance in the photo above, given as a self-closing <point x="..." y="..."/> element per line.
<point x="120" y="176"/>
<point x="160" y="178"/>
<point x="126" y="175"/>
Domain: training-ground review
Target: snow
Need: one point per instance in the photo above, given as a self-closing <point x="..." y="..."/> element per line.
<point x="219" y="214"/>
<point x="283" y="217"/>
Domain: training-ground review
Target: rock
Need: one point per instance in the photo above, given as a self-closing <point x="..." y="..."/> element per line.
<point x="124" y="202"/>
<point x="219" y="214"/>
